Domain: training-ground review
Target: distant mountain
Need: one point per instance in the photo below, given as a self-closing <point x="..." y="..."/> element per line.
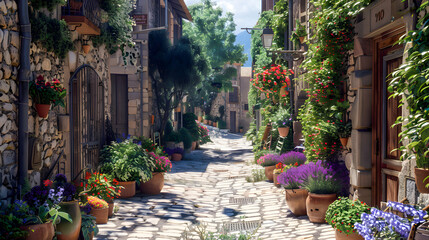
<point x="243" y="38"/>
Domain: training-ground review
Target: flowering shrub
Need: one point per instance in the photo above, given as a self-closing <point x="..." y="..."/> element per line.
<point x="102" y="186"/>
<point x="161" y="163"/>
<point x="386" y="225"/>
<point x="279" y="168"/>
<point x="97" y="203"/>
<point x="204" y="134"/>
<point x="44" y="92"/>
<point x="344" y="213"/>
<point x="271" y="80"/>
<point x="269" y="160"/>
<point x="293" y="157"/>
<point x="293" y="178"/>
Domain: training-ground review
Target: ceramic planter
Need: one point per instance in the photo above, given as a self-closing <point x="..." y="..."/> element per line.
<point x="276" y="183"/>
<point x="70" y="230"/>
<point x="283" y="131"/>
<point x="295" y="199"/>
<point x="43" y="109"/>
<point x="111" y="207"/>
<point x="421" y="174"/>
<point x="154" y="185"/>
<point x="317" y="204"/>
<point x="343" y="236"/>
<point x="344" y="141"/>
<point x="129" y="189"/>
<point x="269" y="172"/>
<point x="43" y="231"/>
<point x="176" y="157"/>
<point x="101" y="215"/>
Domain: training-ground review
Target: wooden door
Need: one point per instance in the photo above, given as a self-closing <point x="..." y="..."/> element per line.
<point x="385" y="112"/>
<point x="120" y="104"/>
<point x="233" y="120"/>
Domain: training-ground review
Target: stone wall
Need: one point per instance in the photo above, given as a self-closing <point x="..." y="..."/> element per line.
<point x="9" y="61"/>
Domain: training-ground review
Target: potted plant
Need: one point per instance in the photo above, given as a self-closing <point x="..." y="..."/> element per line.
<point x="204" y="134"/>
<point x="156" y="183"/>
<point x="10" y="228"/>
<point x="240" y="129"/>
<point x="45" y="93"/>
<point x="187" y="139"/>
<point x="344" y="130"/>
<point x="283" y="122"/>
<point x="271" y="80"/>
<point x="173" y="140"/>
<point x="191" y="124"/>
<point x="322" y="189"/>
<point x="292" y="179"/>
<point x="89" y="227"/>
<point x="293" y="158"/>
<point x="200" y="117"/>
<point x="175" y="153"/>
<point x="277" y="171"/>
<point x="299" y="33"/>
<point x="343" y="214"/>
<point x="102" y="186"/>
<point x="269" y="161"/>
<point x="128" y="163"/>
<point x="99" y="209"/>
<point x="206" y="119"/>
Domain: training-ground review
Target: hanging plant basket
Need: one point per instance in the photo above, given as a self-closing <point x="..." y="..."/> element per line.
<point x="421" y="174"/>
<point x="43" y="110"/>
<point x="344" y="141"/>
<point x="302" y="39"/>
<point x="86" y="48"/>
<point x="283" y="131"/>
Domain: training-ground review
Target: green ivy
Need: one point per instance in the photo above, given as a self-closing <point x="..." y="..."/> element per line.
<point x="410" y="82"/>
<point x="53" y="34"/>
<point x="326" y="63"/>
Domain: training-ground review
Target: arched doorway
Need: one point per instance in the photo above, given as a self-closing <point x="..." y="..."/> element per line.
<point x="87" y="134"/>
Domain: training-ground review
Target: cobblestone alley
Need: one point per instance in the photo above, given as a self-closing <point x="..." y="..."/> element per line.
<point x="209" y="187"/>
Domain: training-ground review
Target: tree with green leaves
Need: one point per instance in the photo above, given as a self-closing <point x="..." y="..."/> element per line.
<point x="175" y="71"/>
<point x="214" y="32"/>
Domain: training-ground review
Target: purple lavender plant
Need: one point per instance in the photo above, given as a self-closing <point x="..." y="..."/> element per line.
<point x="292" y="158"/>
<point x="170" y="151"/>
<point x="269" y="160"/>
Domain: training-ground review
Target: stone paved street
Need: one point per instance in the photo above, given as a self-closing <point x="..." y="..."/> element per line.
<point x="209" y="187"/>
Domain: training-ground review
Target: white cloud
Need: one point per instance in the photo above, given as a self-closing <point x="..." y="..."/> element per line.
<point x="246" y="12"/>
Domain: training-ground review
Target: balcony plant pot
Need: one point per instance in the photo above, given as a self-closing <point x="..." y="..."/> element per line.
<point x="302" y="39"/>
<point x="43" y="110"/>
<point x="111" y="207"/>
<point x="295" y="199"/>
<point x="154" y="185"/>
<point x="194" y="145"/>
<point x="101" y="215"/>
<point x="276" y="183"/>
<point x="70" y="230"/>
<point x="283" y="131"/>
<point x="86" y="48"/>
<point x="269" y="172"/>
<point x="176" y="157"/>
<point x="343" y="236"/>
<point x="129" y="189"/>
<point x="421" y="174"/>
<point x="317" y="204"/>
<point x="344" y="141"/>
<point x="43" y="231"/>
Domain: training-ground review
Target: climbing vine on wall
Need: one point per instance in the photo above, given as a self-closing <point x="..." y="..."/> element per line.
<point x="326" y="65"/>
<point x="410" y="82"/>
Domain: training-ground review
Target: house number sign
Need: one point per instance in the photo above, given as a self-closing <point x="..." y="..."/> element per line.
<point x="381" y="14"/>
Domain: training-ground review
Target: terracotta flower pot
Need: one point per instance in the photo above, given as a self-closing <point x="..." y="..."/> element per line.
<point x="176" y="157"/>
<point x="101" y="215"/>
<point x="344" y="141"/>
<point x="317" y="204"/>
<point x="301" y="39"/>
<point x="276" y="183"/>
<point x="43" y="231"/>
<point x="154" y="185"/>
<point x="86" y="48"/>
<point x="200" y="119"/>
<point x="344" y="236"/>
<point x="421" y="174"/>
<point x="129" y="189"/>
<point x="206" y="121"/>
<point x="111" y="207"/>
<point x="194" y="145"/>
<point x="269" y="172"/>
<point x="43" y="109"/>
<point x="295" y="199"/>
<point x="283" y="131"/>
<point x="70" y="230"/>
<point x="214" y="124"/>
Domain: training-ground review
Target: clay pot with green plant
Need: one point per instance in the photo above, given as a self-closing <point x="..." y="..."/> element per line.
<point x="299" y="33"/>
<point x="282" y="121"/>
<point x="344" y="130"/>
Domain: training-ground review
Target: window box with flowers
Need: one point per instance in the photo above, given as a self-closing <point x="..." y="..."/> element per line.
<point x="161" y="165"/>
<point x="45" y="93"/>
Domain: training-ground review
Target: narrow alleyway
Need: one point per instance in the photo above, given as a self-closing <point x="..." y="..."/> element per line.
<point x="209" y="187"/>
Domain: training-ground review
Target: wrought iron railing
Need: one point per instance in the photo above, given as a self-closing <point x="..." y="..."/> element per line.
<point x="88" y="8"/>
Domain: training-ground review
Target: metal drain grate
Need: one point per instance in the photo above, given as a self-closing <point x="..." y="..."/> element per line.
<point x="220" y="170"/>
<point x="242" y="201"/>
<point x="242" y="226"/>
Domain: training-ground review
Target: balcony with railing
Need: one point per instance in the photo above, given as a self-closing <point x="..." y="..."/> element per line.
<point x="83" y="15"/>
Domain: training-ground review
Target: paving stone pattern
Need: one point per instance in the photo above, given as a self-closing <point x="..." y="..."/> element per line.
<point x="209" y="187"/>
